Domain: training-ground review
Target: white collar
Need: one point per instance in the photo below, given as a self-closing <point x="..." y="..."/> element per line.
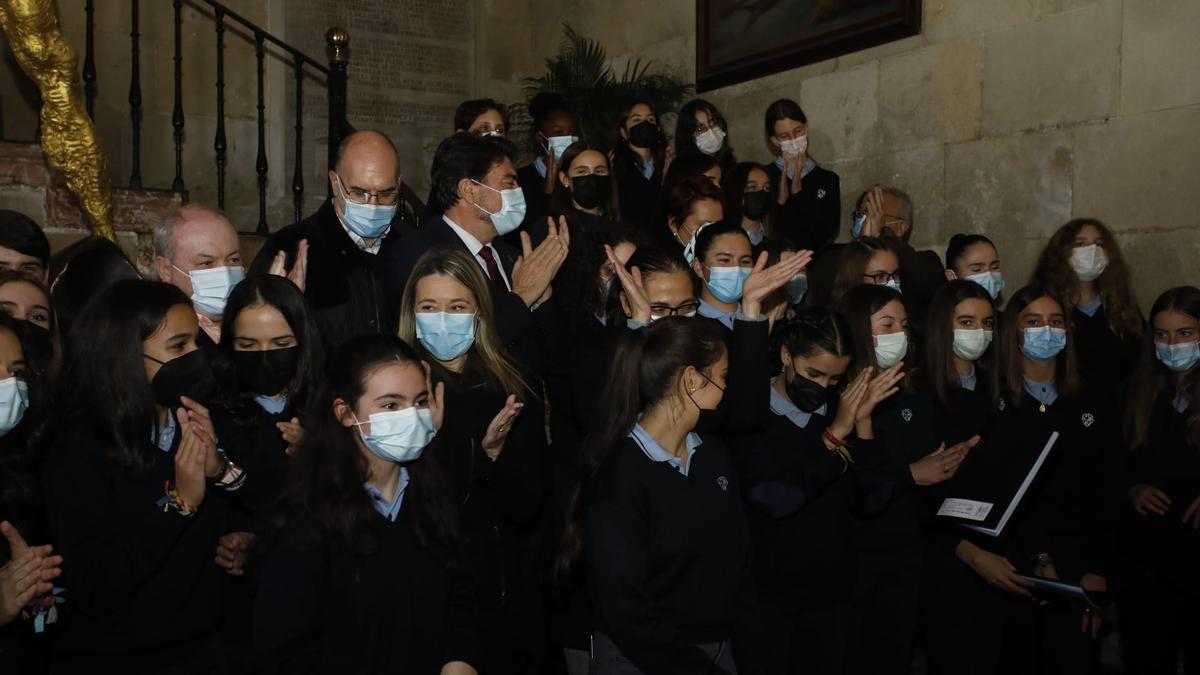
<point x="473" y="244"/>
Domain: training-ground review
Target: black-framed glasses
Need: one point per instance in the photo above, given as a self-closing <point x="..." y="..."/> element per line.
<point x="881" y="278"/>
<point x="685" y="309"/>
<point x="387" y="197"/>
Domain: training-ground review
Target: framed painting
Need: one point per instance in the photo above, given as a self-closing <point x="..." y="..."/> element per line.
<point x="738" y="40"/>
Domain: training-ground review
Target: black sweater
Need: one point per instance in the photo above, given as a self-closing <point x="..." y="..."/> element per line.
<point x="142" y="588"/>
<point x="802" y="498"/>
<point x="669" y="558"/>
<point x="640" y="197"/>
<point x="537" y="206"/>
<point x="321" y="609"/>
<point x="1105" y="360"/>
<point x="350" y="291"/>
<point x="809" y="218"/>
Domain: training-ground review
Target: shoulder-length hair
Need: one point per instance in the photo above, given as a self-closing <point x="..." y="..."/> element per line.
<point x="1012" y="360"/>
<point x="1114" y="286"/>
<point x="685" y="130"/>
<point x="855" y="257"/>
<point x="271" y="291"/>
<point x="940" y="371"/>
<point x="560" y="200"/>
<point x="487" y="355"/>
<point x="1153" y="382"/>
<point x="624" y="158"/>
<point x="733" y="185"/>
<point x="105" y="375"/>
<point x="324" y="485"/>
<point x="858" y="306"/>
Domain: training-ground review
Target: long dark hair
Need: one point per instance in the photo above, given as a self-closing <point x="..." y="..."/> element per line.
<point x="734" y="186"/>
<point x="940" y="372"/>
<point x="560" y="199"/>
<point x="18" y="463"/>
<point x="816" y="330"/>
<point x="577" y="284"/>
<point x="1012" y="370"/>
<point x="650" y="260"/>
<point x="623" y="157"/>
<point x="1114" y="286"/>
<point x="685" y="131"/>
<point x="1152" y="381"/>
<point x="277" y="292"/>
<point x="81" y="270"/>
<point x="645" y="368"/>
<point x="783" y="109"/>
<point x="858" y="305"/>
<point x="324" y="485"/>
<point x="105" y="375"/>
<point x="853" y="261"/>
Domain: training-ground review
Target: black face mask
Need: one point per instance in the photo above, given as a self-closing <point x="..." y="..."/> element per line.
<point x="189" y="375"/>
<point x="267" y="372"/>
<point x="591" y="190"/>
<point x="645" y="135"/>
<point x="806" y="394"/>
<point x="756" y="204"/>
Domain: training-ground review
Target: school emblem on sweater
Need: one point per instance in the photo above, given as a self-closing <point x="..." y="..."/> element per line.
<point x="906" y="414"/>
<point x="1001" y="405"/>
<point x="821" y="193"/>
<point x="723" y="483"/>
<point x="1087" y="419"/>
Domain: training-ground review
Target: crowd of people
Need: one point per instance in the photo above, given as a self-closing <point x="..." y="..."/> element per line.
<point x="626" y="409"/>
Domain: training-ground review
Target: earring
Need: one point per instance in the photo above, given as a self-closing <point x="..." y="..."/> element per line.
<point x="691" y="391"/>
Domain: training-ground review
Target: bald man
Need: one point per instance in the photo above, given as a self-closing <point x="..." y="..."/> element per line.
<point x="196" y="250"/>
<point x="340" y="254"/>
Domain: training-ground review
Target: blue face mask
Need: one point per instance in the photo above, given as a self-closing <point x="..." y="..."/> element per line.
<point x="445" y="335"/>
<point x="398" y="435"/>
<point x="1044" y="343"/>
<point x="559" y="144"/>
<point x="366" y="220"/>
<point x="1179" y="358"/>
<point x="796" y="288"/>
<point x="512" y="209"/>
<point x="725" y="283"/>
<point x="211" y="287"/>
<point x="992" y="282"/>
<point x="859" y="221"/>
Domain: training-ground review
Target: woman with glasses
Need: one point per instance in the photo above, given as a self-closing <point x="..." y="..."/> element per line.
<point x="700" y="128"/>
<point x="863" y="261"/>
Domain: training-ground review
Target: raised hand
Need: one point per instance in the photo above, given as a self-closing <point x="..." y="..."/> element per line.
<point x="875" y="213"/>
<point x="942" y="463"/>
<point x="849" y="402"/>
<point x="292" y="434"/>
<point x="536" y="268"/>
<point x="29" y="573"/>
<point x="882" y="388"/>
<point x="196" y="416"/>
<point x="631" y="284"/>
<point x="231" y="552"/>
<point x="190" y="474"/>
<point x="497" y="431"/>
<point x="299" y="273"/>
<point x="765" y="280"/>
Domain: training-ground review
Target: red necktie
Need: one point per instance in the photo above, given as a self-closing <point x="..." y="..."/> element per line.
<point x="493" y="270"/>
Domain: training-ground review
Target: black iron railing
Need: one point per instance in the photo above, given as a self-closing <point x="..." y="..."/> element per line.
<point x="335" y="82"/>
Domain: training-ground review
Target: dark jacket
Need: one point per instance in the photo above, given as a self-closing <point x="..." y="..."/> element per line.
<point x="641" y="197"/>
<point x="669" y="559"/>
<point x="922" y="274"/>
<point x="1105" y="360"/>
<point x="143" y="590"/>
<point x="321" y="609"/>
<point x="350" y="291"/>
<point x="537" y="206"/>
<point x="809" y="218"/>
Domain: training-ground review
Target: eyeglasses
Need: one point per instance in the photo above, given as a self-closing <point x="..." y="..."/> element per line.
<point x="386" y="197"/>
<point x="686" y="309"/>
<point x="714" y="123"/>
<point x="881" y="278"/>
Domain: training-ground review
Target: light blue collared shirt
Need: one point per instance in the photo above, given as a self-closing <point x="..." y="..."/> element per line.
<point x="1092" y="308"/>
<point x="271" y="405"/>
<point x="648" y="168"/>
<point x="968" y="381"/>
<point x="726" y="318"/>
<point x="389" y="510"/>
<point x="756" y="236"/>
<point x="780" y="405"/>
<point x="165" y="438"/>
<point x="1181" y="402"/>
<point x="656" y="453"/>
<point x="539" y="163"/>
<point x="809" y="165"/>
<point x="1046" y="393"/>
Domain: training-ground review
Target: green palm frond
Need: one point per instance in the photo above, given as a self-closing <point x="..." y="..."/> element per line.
<point x="582" y="74"/>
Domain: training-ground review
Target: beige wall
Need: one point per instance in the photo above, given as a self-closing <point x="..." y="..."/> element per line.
<point x="1006" y="117"/>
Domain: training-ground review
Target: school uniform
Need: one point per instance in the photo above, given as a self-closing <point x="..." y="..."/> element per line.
<point x="1157" y="589"/>
<point x="350" y="287"/>
<point x="143" y="593"/>
<point x="1105" y="360"/>
<point x="801" y="498"/>
<point x="922" y="273"/>
<point x="809" y="218"/>
<point x="407" y="608"/>
<point x="745" y="407"/>
<point x="532" y="180"/>
<point x="502" y="502"/>
<point x="21" y="649"/>
<point x="668" y="555"/>
<point x="640" y="188"/>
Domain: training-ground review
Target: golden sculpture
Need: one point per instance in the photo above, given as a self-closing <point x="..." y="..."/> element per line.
<point x="68" y="136"/>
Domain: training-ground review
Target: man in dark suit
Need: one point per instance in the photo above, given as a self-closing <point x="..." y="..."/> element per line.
<point x="475" y="178"/>
<point x="887" y="213"/>
<point x="340" y="255"/>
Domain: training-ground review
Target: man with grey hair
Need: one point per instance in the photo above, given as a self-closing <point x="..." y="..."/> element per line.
<point x="196" y="249"/>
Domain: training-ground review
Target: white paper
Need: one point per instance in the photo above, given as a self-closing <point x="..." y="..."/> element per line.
<point x="968" y="509"/>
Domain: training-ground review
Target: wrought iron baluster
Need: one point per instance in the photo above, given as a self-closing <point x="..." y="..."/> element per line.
<point x="219" y="144"/>
<point x="177" y="111"/>
<point x="89" y="59"/>
<point x="260" y="166"/>
<point x="298" y="171"/>
<point x="135" y="101"/>
<point x="338" y="42"/>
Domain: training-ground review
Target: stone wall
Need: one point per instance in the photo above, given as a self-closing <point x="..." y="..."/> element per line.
<point x="1007" y="118"/>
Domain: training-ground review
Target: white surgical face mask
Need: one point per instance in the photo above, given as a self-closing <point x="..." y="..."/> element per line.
<point x="710" y="141"/>
<point x="398" y="435"/>
<point x="211" y="287"/>
<point x="559" y="144"/>
<point x="971" y="344"/>
<point x="794" y="146"/>
<point x="689" y="247"/>
<point x="1089" y="262"/>
<point x="890" y="348"/>
<point x="14" y="401"/>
